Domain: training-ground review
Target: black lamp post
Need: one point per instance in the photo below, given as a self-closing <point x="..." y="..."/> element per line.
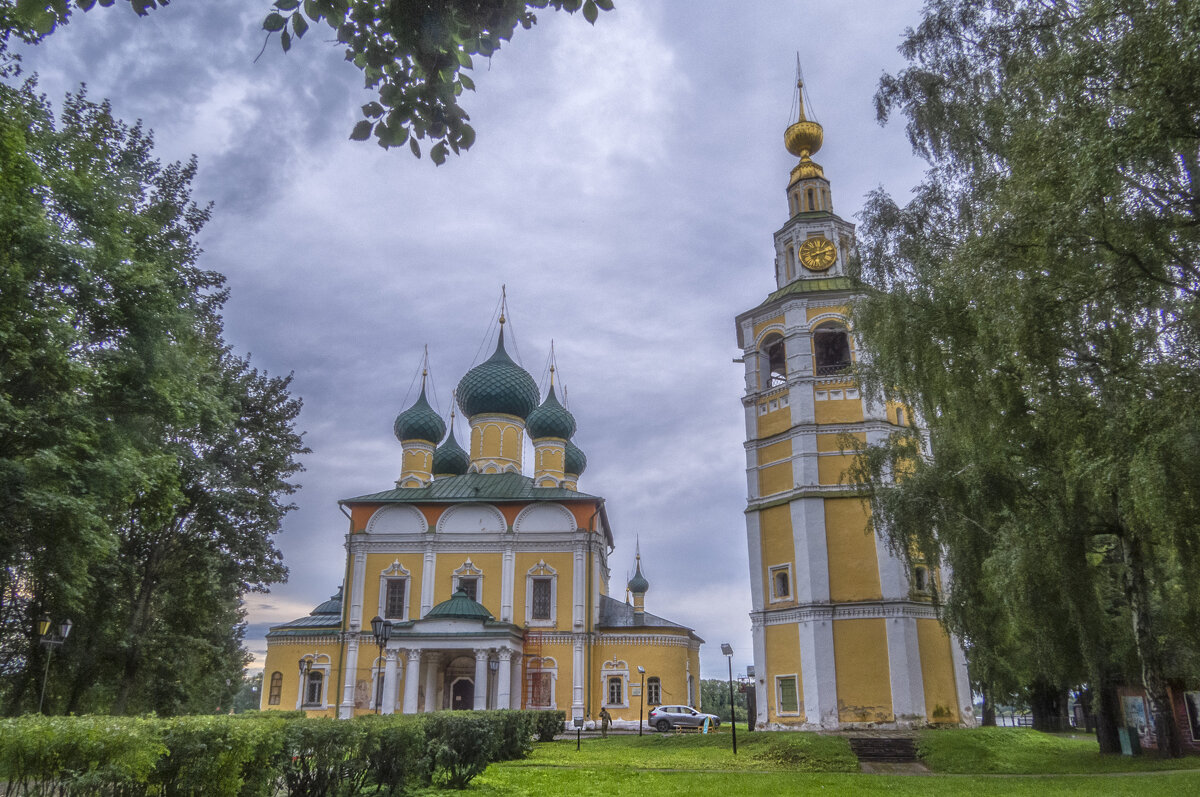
<point x="305" y="668"/>
<point x="382" y="630"/>
<point x="641" y="698"/>
<point x="50" y="642"/>
<point x="727" y="650"/>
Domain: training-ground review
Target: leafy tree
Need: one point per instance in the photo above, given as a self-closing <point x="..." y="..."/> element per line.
<point x="1036" y="302"/>
<point x="714" y="698"/>
<point x="143" y="467"/>
<point x="412" y="53"/>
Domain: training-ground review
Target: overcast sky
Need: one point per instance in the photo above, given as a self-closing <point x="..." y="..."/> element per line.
<point x="625" y="185"/>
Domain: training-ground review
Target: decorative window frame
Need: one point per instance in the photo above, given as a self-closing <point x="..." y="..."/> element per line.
<point x="547" y="665"/>
<point x="779" y="679"/>
<point x="467" y="570"/>
<point x="616" y="668"/>
<point x="322" y="663"/>
<point x="784" y="568"/>
<point x="395" y="571"/>
<point x="541" y="570"/>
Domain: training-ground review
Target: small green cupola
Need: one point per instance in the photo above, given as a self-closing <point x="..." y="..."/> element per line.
<point x="550" y="419"/>
<point x="638" y="586"/>
<point x="576" y="460"/>
<point x="450" y="459"/>
<point x="460" y="607"/>
<point x="497" y="386"/>
<point x="418" y="428"/>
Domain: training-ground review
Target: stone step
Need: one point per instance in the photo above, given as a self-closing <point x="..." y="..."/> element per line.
<point x="891" y="749"/>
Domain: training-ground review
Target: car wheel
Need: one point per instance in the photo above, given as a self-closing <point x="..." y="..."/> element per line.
<point x="663" y="726"/>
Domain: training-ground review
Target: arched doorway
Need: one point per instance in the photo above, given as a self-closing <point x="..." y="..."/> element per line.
<point x="462" y="694"/>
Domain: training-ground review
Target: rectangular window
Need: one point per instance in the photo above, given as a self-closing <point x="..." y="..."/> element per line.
<point x="616" y="691"/>
<point x="469" y="586"/>
<point x="788" y="699"/>
<point x="781" y="583"/>
<point x="653" y="691"/>
<point x="539" y="691"/>
<point x="393" y="604"/>
<point x="312" y="692"/>
<point x="541" y="599"/>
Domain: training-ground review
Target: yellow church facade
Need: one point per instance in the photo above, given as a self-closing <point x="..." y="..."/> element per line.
<point x="845" y="634"/>
<point x="493" y="583"/>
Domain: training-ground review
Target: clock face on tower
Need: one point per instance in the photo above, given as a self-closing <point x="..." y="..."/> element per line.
<point x="817" y="254"/>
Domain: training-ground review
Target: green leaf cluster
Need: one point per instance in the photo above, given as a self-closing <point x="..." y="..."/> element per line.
<point x="1036" y="302"/>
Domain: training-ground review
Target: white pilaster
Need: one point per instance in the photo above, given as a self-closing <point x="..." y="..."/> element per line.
<point x="578" y="587"/>
<point x="481" y="678"/>
<point x="504" y="679"/>
<point x="389" y="682"/>
<point x="818" y="673"/>
<point x="427" y="575"/>
<point x="962" y="684"/>
<point x="359" y="576"/>
<point x="507" y="583"/>
<point x="812" y="552"/>
<point x="758" y="596"/>
<point x="577" y="678"/>
<point x="763" y="681"/>
<point x="412" y="681"/>
<point x="907" y="681"/>
<point x="346" y="709"/>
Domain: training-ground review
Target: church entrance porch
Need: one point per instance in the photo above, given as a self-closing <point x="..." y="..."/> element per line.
<point x="462" y="694"/>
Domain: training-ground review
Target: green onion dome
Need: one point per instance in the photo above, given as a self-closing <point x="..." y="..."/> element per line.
<point x="498" y="385"/>
<point x="420" y="422"/>
<point x="575" y="463"/>
<point x="550" y="419"/>
<point x="460" y="606"/>
<point x="450" y="459"/>
<point x="638" y="584"/>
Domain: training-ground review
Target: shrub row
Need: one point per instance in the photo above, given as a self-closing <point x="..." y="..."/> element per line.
<point x="259" y="755"/>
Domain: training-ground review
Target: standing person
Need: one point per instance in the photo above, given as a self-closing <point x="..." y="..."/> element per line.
<point x="605" y="719"/>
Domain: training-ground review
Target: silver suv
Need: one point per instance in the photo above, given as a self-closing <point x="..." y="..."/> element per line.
<point x="664" y="718"/>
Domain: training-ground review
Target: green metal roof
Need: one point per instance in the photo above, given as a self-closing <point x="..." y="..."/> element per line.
<point x="473" y="487"/>
<point x="813" y="286"/>
<point x="459" y="605"/>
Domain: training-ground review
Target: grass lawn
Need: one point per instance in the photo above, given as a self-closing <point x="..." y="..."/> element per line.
<point x="804" y="763"/>
<point x="1025" y="751"/>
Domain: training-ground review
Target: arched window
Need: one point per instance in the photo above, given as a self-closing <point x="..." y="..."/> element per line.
<point x="773" y="362"/>
<point x="276" y="688"/>
<point x="790" y="269"/>
<point x="653" y="692"/>
<point x="831" y="346"/>
<point x="810" y="200"/>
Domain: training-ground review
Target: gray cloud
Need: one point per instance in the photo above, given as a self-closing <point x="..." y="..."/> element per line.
<point x="625" y="185"/>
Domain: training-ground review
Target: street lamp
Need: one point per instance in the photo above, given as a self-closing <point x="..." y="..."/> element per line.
<point x="727" y="650"/>
<point x="305" y="668"/>
<point x="382" y="630"/>
<point x="641" y="697"/>
<point x="50" y="642"/>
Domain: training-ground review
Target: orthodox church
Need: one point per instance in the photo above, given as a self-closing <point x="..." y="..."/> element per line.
<point x="844" y="633"/>
<point x="493" y="584"/>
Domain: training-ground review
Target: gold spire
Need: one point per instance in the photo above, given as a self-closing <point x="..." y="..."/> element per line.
<point x="803" y="137"/>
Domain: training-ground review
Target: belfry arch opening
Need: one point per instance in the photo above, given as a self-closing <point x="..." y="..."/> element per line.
<point x="831" y="349"/>
<point x="772" y="362"/>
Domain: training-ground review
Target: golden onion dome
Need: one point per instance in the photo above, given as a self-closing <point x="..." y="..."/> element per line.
<point x="803" y="138"/>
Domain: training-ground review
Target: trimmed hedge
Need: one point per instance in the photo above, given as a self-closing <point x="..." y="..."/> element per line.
<point x="261" y="754"/>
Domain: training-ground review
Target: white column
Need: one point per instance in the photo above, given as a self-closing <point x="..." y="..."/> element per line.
<point x="504" y="679"/>
<point x="389" y="682"/>
<point x="346" y="709"/>
<point x="507" y="585"/>
<point x="962" y="684"/>
<point x="431" y="682"/>
<point x="412" y="680"/>
<point x="356" y="589"/>
<point x="818" y="672"/>
<point x="811" y="549"/>
<point x="481" y="674"/>
<point x="427" y="575"/>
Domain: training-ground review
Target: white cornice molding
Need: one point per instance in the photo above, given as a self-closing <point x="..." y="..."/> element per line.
<point x="882" y="610"/>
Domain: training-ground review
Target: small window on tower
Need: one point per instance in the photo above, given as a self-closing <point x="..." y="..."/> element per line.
<point x="276" y="689"/>
<point x="810" y="200"/>
<point x="774" y="361"/>
<point x="782" y="587"/>
<point x="899" y="416"/>
<point x="469" y="586"/>
<point x="920" y="579"/>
